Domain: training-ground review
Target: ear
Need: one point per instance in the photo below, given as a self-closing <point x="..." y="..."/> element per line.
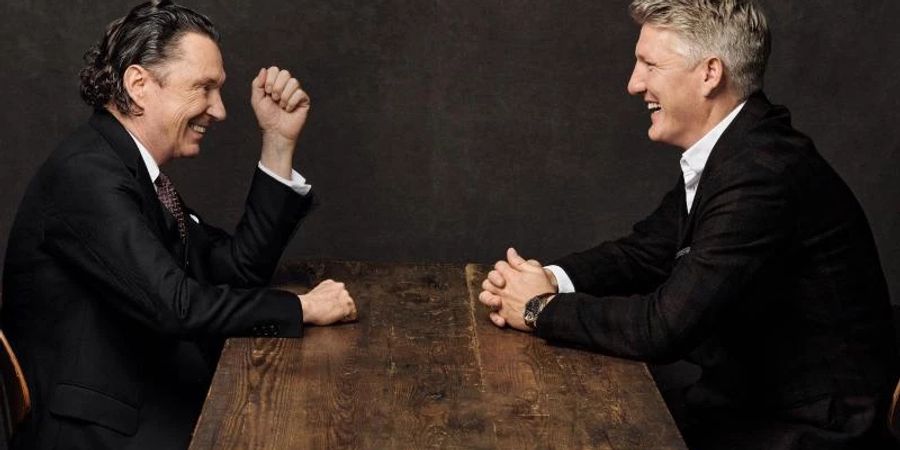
<point x="136" y="81"/>
<point x="713" y="73"/>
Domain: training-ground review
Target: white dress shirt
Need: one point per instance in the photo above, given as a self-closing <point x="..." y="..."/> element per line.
<point x="693" y="161"/>
<point x="297" y="182"/>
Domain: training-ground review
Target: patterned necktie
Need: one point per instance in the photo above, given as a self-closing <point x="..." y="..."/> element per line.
<point x="165" y="190"/>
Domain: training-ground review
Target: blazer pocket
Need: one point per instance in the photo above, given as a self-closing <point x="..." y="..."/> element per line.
<point x="89" y="405"/>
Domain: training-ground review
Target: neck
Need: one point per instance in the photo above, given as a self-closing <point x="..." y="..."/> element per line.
<point x="718" y="108"/>
<point x="722" y="108"/>
<point x="136" y="126"/>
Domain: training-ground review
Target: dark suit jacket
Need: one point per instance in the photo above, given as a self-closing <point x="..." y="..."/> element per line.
<point x="772" y="284"/>
<point x="117" y="323"/>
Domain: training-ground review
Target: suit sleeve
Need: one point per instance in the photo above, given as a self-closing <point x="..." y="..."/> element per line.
<point x="743" y="224"/>
<point x="94" y="223"/>
<point x="250" y="256"/>
<point x="630" y="264"/>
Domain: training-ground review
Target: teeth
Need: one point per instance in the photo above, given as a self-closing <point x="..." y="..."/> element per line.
<point x="198" y="128"/>
<point x="653" y="106"/>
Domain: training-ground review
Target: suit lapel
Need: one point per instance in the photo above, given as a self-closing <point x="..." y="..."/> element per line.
<point x="682" y="207"/>
<point x="730" y="142"/>
<point x="162" y="223"/>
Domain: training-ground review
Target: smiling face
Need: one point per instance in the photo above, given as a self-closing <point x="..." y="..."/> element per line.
<point x="183" y="99"/>
<point x="671" y="87"/>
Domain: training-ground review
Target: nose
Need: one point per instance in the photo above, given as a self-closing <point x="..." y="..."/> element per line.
<point x="636" y="85"/>
<point x="216" y="108"/>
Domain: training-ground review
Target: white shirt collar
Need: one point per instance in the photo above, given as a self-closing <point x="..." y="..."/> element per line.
<point x="693" y="160"/>
<point x="152" y="167"/>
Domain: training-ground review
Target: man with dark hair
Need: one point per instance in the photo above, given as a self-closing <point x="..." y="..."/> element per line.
<point x="759" y="265"/>
<point x="117" y="296"/>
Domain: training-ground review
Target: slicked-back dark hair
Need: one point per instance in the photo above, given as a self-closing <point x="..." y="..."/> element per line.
<point x="147" y="36"/>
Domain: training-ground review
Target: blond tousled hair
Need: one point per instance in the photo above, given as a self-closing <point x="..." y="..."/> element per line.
<point x="735" y="31"/>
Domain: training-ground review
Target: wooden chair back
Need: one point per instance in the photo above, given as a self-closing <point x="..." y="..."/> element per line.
<point x="894" y="413"/>
<point x="16" y="402"/>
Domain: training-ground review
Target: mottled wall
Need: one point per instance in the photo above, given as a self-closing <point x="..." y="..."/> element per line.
<point x="446" y="130"/>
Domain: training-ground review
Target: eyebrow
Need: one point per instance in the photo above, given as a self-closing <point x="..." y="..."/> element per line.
<point x="209" y="81"/>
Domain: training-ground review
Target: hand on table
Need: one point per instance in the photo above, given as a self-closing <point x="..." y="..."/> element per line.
<point x="510" y="285"/>
<point x="327" y="303"/>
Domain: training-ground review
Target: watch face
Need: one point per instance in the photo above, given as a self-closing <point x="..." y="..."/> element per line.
<point x="530" y="312"/>
<point x="533" y="309"/>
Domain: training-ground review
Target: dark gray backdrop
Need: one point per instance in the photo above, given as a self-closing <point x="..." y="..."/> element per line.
<point x="447" y="130"/>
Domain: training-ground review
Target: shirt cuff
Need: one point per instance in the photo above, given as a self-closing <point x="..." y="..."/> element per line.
<point x="563" y="282"/>
<point x="297" y="182"/>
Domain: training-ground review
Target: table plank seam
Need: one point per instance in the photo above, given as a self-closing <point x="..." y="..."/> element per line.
<point x="471" y="271"/>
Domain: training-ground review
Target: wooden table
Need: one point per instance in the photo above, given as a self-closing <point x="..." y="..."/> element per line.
<point x="424" y="367"/>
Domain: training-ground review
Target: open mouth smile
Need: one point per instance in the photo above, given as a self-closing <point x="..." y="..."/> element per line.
<point x="197" y="127"/>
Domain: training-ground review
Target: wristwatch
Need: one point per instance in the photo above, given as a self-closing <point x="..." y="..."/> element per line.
<point x="534" y="307"/>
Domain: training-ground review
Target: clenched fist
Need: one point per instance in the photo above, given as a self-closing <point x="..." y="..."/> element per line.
<point x="327" y="303"/>
<point x="280" y="104"/>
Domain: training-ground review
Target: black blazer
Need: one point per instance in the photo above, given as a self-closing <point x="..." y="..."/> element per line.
<point x="772" y="283"/>
<point x="116" y="322"/>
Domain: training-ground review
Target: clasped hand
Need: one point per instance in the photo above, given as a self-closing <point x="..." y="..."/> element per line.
<point x="510" y="285"/>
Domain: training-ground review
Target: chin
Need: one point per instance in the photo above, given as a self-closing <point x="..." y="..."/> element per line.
<point x="658" y="137"/>
<point x="191" y="152"/>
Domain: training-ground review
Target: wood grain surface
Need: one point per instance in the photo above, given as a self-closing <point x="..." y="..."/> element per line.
<point x="423" y="368"/>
